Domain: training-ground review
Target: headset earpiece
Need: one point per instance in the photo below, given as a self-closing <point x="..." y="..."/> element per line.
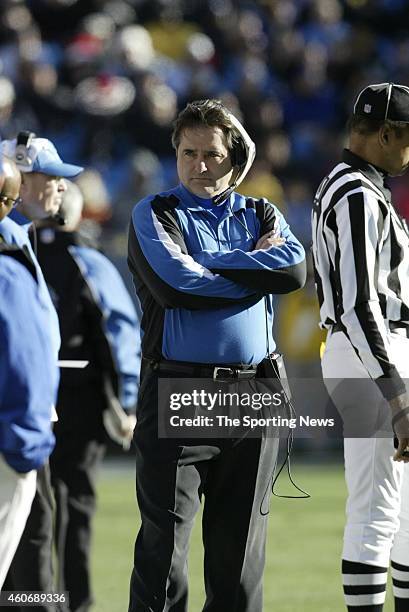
<point x="23" y="143"/>
<point x="238" y="153"/>
<point x="242" y="155"/>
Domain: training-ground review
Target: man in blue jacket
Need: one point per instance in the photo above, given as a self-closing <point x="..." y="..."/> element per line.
<point x="27" y="359"/>
<point x="28" y="380"/>
<point x="206" y="262"/>
<point x="43" y="175"/>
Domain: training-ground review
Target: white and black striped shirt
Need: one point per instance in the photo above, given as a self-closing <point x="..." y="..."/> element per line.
<point x="361" y="259"/>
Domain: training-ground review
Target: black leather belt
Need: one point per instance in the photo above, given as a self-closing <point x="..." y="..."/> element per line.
<point x="399" y="328"/>
<point x="204" y="370"/>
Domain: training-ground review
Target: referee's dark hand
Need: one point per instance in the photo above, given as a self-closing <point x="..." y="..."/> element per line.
<point x="402" y="452"/>
<point x="400" y="425"/>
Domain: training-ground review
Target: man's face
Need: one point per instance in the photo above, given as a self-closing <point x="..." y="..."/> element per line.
<point x="397" y="152"/>
<point x="203" y="161"/>
<point x="41" y="195"/>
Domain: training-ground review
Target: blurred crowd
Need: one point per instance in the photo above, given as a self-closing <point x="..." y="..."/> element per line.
<point x="104" y="79"/>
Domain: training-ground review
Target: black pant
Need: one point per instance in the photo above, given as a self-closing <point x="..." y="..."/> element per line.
<point x="31" y="568"/>
<point x="171" y="475"/>
<point x="78" y="452"/>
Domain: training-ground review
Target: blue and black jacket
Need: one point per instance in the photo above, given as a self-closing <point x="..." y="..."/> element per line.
<point x="28" y="373"/>
<point x="201" y="283"/>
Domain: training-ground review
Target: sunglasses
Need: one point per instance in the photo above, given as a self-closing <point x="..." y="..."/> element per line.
<point x="13" y="202"/>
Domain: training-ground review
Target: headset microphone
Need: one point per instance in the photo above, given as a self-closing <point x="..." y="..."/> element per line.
<point x="59" y="219"/>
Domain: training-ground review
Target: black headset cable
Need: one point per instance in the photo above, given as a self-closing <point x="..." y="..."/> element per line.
<point x="288" y="401"/>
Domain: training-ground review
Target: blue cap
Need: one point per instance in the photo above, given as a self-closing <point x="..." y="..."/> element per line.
<point x="39" y="155"/>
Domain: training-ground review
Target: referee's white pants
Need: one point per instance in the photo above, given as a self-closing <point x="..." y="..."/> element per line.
<point x="378" y="488"/>
<point x="16" y="496"/>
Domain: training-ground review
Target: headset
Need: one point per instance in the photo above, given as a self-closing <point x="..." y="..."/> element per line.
<point x="22" y="153"/>
<point x="244" y="149"/>
<point x="238" y="153"/>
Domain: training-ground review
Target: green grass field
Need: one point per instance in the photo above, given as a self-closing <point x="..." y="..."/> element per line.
<point x="303" y="547"/>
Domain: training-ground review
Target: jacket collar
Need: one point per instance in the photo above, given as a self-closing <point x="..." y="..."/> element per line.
<point x="376" y="175"/>
<point x="235" y="201"/>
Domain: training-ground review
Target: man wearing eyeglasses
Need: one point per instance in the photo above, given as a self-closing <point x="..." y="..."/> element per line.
<point x="42" y="186"/>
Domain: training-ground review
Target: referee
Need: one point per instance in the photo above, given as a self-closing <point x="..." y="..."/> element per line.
<point x="361" y="257"/>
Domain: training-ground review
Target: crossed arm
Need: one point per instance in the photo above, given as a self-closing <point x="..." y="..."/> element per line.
<point x="212" y="279"/>
<point x="276" y="265"/>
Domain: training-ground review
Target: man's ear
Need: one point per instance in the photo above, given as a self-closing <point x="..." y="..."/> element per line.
<point x="384" y="135"/>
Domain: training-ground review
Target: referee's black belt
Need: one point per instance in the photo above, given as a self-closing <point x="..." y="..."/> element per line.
<point x="338" y="327"/>
<point x="395" y="327"/>
<point x="222" y="371"/>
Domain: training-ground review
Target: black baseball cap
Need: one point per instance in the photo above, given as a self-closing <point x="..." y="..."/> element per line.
<point x="383" y="101"/>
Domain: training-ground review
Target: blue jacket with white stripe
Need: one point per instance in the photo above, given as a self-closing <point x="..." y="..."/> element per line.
<point x="201" y="283"/>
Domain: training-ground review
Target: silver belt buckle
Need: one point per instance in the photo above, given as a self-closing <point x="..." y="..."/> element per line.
<point x="221" y="368"/>
<point x="246" y="374"/>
